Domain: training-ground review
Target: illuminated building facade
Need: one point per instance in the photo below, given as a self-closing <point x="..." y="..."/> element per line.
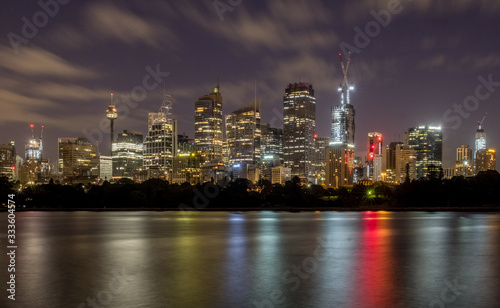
<point x="339" y="166"/>
<point x="271" y="149"/>
<point x="127" y="154"/>
<point x="427" y="141"/>
<point x="76" y="159"/>
<point x="485" y="160"/>
<point x="160" y="144"/>
<point x="299" y="125"/>
<point x="320" y="146"/>
<point x="243" y="135"/>
<point x="374" y="156"/>
<point x="208" y="125"/>
<point x="8" y="161"/>
<point x="280" y="174"/>
<point x="340" y="154"/>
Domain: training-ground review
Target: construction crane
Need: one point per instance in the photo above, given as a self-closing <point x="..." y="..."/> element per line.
<point x="479" y="123"/>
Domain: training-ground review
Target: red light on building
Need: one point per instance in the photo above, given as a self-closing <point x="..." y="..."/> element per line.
<point x="315" y="136"/>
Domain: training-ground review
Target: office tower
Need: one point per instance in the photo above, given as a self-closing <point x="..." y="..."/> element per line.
<point x="33" y="148"/>
<point x="299" y="125"/>
<point x="76" y="160"/>
<point x="243" y="135"/>
<point x="127" y="154"/>
<point x="339" y="166"/>
<point x="357" y="169"/>
<point x="105" y="168"/>
<point x="480" y="139"/>
<point x="464" y="162"/>
<point x="343" y="126"/>
<point x="340" y="154"/>
<point x="187" y="162"/>
<point x="428" y="142"/>
<point x="8" y="161"/>
<point x="112" y="115"/>
<point x="320" y="146"/>
<point x="280" y="174"/>
<point x="271" y="150"/>
<point x="374" y="156"/>
<point x="485" y="160"/>
<point x="406" y="164"/>
<point x="208" y="126"/>
<point x="160" y="144"/>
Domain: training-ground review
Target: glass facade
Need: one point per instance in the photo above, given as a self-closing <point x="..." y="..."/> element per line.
<point x="427" y="141"/>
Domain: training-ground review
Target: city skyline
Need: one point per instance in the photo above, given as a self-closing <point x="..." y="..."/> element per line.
<point x="404" y="78"/>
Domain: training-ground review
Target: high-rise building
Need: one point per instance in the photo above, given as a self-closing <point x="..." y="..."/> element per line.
<point x="339" y="166"/>
<point x="340" y="154"/>
<point x="160" y="144"/>
<point x="398" y="160"/>
<point x="8" y="160"/>
<point x="299" y="125"/>
<point x="76" y="159"/>
<point x="480" y="140"/>
<point x="343" y="126"/>
<point x="485" y="160"/>
<point x="127" y="154"/>
<point x="320" y="146"/>
<point x="271" y="150"/>
<point x="34" y="147"/>
<point x="243" y="135"/>
<point x="428" y="143"/>
<point x="208" y="125"/>
<point x="464" y="162"/>
<point x="112" y="115"/>
<point x="187" y="163"/>
<point x="374" y="156"/>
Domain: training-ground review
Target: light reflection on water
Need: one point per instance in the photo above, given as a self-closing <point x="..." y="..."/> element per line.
<point x="223" y="259"/>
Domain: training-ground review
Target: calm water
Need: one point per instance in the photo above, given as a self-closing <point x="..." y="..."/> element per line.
<point x="255" y="259"/>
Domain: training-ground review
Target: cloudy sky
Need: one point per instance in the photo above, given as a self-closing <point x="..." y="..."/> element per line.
<point x="419" y="62"/>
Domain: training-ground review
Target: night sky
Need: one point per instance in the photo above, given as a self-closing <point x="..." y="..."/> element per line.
<point x="428" y="58"/>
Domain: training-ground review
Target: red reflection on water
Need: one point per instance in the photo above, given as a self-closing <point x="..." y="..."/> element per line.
<point x="375" y="280"/>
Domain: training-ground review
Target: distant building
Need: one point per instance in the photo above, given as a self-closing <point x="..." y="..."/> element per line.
<point x="271" y="149"/>
<point x="280" y="175"/>
<point x="374" y="156"/>
<point x="187" y="168"/>
<point x="485" y="160"/>
<point x="479" y="141"/>
<point x="243" y="135"/>
<point x="299" y="125"/>
<point x="319" y="163"/>
<point x="76" y="160"/>
<point x="427" y="141"/>
<point x="127" y="154"/>
<point x="8" y="161"/>
<point x="464" y="163"/>
<point x="208" y="125"/>
<point x="339" y="166"/>
<point x="160" y="144"/>
<point x="105" y="168"/>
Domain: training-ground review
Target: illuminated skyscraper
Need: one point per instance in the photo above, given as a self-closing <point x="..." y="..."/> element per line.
<point x="343" y="127"/>
<point x="340" y="154"/>
<point x="320" y="146"/>
<point x="34" y="147"/>
<point x="374" y="156"/>
<point x="480" y="140"/>
<point x="160" y="144"/>
<point x="8" y="160"/>
<point x="243" y="134"/>
<point x="464" y="162"/>
<point x="299" y="125"/>
<point x="428" y="143"/>
<point x="485" y="160"/>
<point x="112" y="115"/>
<point x="208" y="125"/>
<point x="271" y="150"/>
<point x="127" y="154"/>
<point x="76" y="159"/>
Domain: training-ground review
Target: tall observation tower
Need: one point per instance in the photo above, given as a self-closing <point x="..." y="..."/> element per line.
<point x="111" y="115"/>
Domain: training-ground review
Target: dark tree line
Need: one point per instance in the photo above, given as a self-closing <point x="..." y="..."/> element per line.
<point x="481" y="190"/>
